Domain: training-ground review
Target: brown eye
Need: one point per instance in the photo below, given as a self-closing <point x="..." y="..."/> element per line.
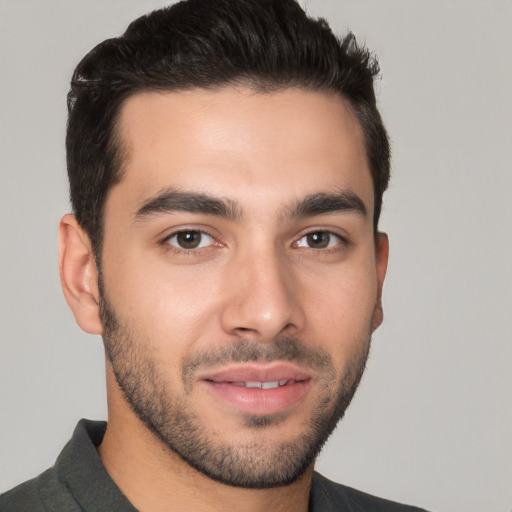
<point x="319" y="240"/>
<point x="190" y="240"/>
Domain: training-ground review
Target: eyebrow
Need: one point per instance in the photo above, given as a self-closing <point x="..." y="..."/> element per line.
<point x="323" y="203"/>
<point x="169" y="201"/>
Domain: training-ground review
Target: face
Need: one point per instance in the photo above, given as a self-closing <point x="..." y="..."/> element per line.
<point x="240" y="275"/>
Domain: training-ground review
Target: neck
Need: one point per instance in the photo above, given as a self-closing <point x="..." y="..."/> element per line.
<point x="154" y="478"/>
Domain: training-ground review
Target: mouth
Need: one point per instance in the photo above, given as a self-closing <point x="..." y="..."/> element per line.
<point x="258" y="389"/>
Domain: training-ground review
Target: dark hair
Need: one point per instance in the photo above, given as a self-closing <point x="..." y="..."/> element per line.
<point x="265" y="44"/>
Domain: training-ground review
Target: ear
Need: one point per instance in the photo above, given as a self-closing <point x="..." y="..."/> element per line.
<point x="79" y="275"/>
<point x="381" y="262"/>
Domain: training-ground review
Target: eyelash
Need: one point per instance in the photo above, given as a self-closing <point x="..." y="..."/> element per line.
<point x="341" y="242"/>
<point x="183" y="251"/>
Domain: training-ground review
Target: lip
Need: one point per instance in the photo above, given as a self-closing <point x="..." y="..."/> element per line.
<point x="248" y="372"/>
<point x="224" y="385"/>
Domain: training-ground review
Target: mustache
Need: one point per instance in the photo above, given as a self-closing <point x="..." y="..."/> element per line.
<point x="285" y="348"/>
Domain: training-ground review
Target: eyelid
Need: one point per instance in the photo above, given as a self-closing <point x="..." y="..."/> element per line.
<point x="167" y="232"/>
<point x="342" y="240"/>
<point x="165" y="241"/>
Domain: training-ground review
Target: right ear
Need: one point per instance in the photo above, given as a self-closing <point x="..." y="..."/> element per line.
<point x="79" y="275"/>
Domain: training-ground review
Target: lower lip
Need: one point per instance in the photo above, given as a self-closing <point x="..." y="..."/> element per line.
<point x="259" y="401"/>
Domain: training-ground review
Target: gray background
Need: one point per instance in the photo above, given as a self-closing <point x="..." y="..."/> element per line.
<point x="432" y="422"/>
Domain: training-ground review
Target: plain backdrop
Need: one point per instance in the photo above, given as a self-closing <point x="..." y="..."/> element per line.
<point x="432" y="421"/>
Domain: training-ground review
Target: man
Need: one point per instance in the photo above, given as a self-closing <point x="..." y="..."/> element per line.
<point x="227" y="163"/>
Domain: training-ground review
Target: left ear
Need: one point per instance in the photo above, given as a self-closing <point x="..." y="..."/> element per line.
<point x="381" y="261"/>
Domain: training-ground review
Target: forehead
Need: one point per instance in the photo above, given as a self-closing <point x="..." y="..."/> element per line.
<point x="242" y="144"/>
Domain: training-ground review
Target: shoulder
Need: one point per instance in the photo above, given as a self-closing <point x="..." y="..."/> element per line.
<point x="45" y="493"/>
<point x="23" y="497"/>
<point x="330" y="496"/>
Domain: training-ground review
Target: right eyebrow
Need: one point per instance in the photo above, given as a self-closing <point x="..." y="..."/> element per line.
<point x="171" y="200"/>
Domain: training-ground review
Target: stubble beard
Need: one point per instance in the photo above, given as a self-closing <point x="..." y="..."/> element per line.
<point x="252" y="464"/>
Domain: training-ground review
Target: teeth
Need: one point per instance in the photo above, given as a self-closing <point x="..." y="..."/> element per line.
<point x="262" y="385"/>
<point x="255" y="384"/>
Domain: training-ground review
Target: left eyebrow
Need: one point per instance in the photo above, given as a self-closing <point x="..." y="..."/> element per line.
<point x="322" y="203"/>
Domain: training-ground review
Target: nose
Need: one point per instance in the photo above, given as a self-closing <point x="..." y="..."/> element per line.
<point x="263" y="299"/>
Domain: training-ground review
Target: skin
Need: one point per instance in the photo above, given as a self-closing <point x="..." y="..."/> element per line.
<point x="255" y="275"/>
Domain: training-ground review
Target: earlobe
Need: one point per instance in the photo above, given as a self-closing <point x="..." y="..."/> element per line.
<point x="79" y="275"/>
<point x="381" y="260"/>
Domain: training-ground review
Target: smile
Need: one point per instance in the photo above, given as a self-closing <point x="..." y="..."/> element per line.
<point x="258" y="389"/>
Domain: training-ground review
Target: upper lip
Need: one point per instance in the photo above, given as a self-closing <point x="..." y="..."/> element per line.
<point x="254" y="372"/>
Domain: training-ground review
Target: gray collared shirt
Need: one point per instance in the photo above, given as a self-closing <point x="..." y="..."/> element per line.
<point x="79" y="482"/>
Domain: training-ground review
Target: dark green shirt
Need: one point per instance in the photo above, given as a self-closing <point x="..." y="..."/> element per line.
<point x="79" y="482"/>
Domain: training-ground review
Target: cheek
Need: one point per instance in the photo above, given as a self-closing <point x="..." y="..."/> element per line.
<point x="341" y="312"/>
<point x="347" y="291"/>
<point x="351" y="303"/>
<point x="165" y="305"/>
